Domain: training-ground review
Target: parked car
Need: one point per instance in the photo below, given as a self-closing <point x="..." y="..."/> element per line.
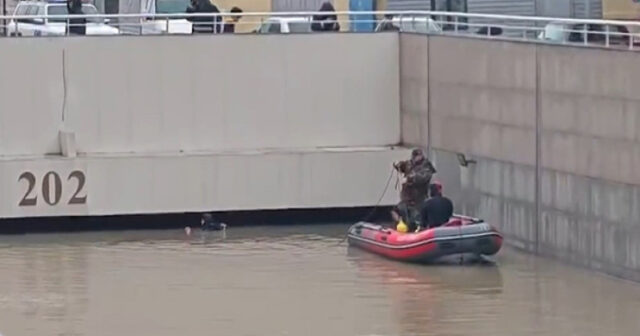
<point x="152" y="25"/>
<point x="53" y="26"/>
<point x="285" y="25"/>
<point x="560" y="32"/>
<point x="416" y="24"/>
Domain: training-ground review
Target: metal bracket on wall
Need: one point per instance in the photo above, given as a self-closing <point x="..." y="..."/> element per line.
<point x="464" y="162"/>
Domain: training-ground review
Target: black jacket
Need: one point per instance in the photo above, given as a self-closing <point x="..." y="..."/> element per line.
<point x="328" y="22"/>
<point x="204" y="24"/>
<point x="229" y="27"/>
<point x="436" y="211"/>
<point x="77" y="26"/>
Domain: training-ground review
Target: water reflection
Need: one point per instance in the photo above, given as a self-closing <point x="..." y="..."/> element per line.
<point x="44" y="284"/>
<point x="479" y="279"/>
<point x="417" y="292"/>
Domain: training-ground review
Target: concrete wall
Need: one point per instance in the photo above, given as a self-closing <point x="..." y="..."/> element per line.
<point x="590" y="145"/>
<point x="168" y="94"/>
<point x="172" y="124"/>
<point x="143" y="184"/>
<point x="555" y="133"/>
<point x="32" y="103"/>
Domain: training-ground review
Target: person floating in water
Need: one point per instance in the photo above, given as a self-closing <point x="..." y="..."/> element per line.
<point x="417" y="172"/>
<point x="208" y="224"/>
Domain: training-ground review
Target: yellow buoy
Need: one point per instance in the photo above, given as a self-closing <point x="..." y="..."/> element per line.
<point x="402" y="227"/>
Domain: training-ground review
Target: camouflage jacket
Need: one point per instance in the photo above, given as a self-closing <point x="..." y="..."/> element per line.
<point x="418" y="176"/>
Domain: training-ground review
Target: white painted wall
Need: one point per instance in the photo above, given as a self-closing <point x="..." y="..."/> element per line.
<point x="201" y="93"/>
<point x="31" y="96"/>
<point x="117" y="184"/>
<point x="174" y="123"/>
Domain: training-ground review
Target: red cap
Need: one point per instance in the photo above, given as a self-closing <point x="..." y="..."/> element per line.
<point x="438" y="185"/>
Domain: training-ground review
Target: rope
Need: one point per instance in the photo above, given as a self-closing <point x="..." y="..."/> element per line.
<point x="368" y="216"/>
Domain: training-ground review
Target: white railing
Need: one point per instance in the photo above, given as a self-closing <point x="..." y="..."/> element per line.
<point x="597" y="33"/>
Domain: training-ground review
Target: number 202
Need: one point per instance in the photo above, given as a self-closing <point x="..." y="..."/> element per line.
<point x="57" y="190"/>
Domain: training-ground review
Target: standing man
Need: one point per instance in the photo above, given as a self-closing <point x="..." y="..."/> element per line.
<point x="230" y="25"/>
<point x="77" y="26"/>
<point x="204" y="24"/>
<point x="417" y="172"/>
<point x="325" y="22"/>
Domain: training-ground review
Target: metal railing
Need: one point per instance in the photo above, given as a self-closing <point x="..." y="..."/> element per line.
<point x="596" y="33"/>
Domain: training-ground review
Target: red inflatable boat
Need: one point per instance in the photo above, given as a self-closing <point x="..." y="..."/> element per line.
<point x="462" y="235"/>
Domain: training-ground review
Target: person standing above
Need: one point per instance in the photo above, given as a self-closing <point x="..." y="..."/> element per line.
<point x="204" y="24"/>
<point x="77" y="26"/>
<point x="327" y="22"/>
<point x="230" y="25"/>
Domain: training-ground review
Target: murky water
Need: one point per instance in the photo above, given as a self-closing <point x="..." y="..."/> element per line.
<point x="290" y="280"/>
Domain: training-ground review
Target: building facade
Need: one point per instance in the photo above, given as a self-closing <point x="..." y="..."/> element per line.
<point x="554" y="8"/>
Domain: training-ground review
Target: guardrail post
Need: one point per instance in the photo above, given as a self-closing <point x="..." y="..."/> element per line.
<point x="455" y="24"/>
<point x="606" y="35"/>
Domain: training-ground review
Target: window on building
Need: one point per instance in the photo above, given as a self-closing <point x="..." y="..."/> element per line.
<point x="449" y="22"/>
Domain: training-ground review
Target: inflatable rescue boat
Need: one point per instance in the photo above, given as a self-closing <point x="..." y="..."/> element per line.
<point x="460" y="236"/>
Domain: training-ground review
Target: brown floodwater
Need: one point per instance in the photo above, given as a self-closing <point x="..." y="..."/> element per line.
<point x="290" y="280"/>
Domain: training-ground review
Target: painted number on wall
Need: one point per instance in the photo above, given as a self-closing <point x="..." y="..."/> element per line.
<point x="51" y="187"/>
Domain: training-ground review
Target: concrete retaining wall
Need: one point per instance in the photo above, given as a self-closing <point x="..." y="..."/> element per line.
<point x="168" y="94"/>
<point x="145" y="184"/>
<point x="555" y="133"/>
<point x="172" y="124"/>
<point x="32" y="102"/>
<point x="590" y="146"/>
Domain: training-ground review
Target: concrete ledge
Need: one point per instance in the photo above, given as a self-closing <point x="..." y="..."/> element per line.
<point x="118" y="184"/>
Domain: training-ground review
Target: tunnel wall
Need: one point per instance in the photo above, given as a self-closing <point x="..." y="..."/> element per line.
<point x="171" y="93"/>
<point x="554" y="131"/>
<point x="163" y="124"/>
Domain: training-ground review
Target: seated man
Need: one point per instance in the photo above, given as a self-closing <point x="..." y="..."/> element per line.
<point x="437" y="210"/>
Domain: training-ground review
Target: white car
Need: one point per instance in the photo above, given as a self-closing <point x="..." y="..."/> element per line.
<point x="151" y="25"/>
<point x="285" y="25"/>
<point x="416" y="24"/>
<point x="53" y="27"/>
<point x="559" y="32"/>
